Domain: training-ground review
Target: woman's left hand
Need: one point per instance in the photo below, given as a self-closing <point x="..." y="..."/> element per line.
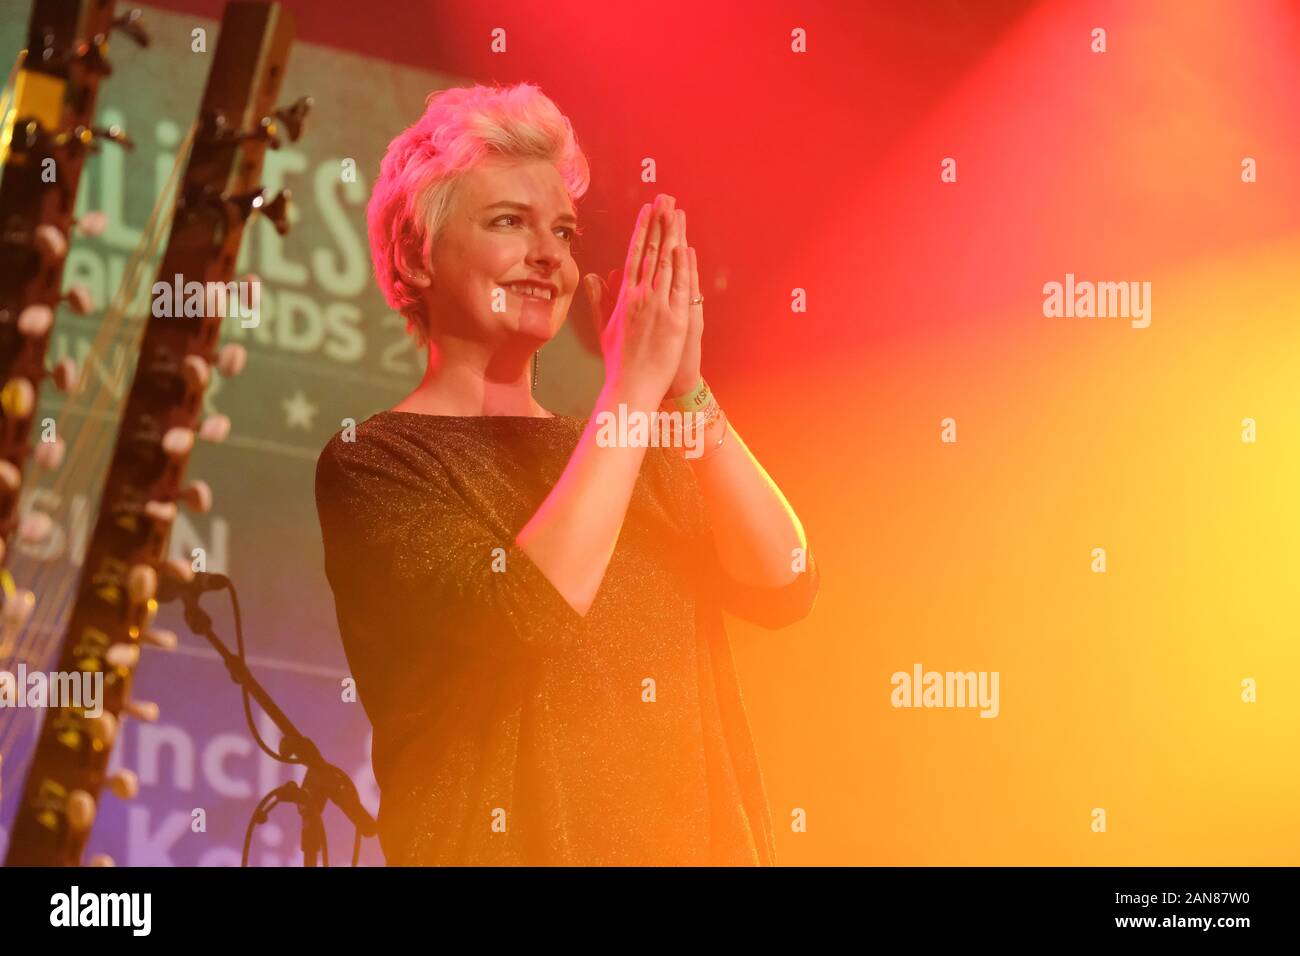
<point x="688" y="373"/>
<point x="687" y="376"/>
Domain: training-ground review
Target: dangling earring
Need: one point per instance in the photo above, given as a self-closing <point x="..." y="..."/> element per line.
<point x="534" y="371"/>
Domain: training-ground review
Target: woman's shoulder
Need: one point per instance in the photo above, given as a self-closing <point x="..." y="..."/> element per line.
<point x="357" y="440"/>
<point x="370" y="451"/>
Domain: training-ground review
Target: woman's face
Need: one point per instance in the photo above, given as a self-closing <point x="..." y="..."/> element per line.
<point x="511" y="226"/>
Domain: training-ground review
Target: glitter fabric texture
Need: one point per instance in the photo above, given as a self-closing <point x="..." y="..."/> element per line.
<point x="508" y="729"/>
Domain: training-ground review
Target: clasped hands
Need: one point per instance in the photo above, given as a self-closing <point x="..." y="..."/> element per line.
<point x="652" y="335"/>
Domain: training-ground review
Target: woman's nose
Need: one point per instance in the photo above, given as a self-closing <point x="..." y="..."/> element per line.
<point x="547" y="248"/>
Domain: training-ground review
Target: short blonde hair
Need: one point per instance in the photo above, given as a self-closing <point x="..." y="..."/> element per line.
<point x="461" y="127"/>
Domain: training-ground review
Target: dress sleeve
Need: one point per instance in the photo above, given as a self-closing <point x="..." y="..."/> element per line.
<point x="390" y="525"/>
<point x="768" y="607"/>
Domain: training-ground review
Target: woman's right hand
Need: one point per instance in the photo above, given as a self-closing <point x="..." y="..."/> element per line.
<point x="643" y="339"/>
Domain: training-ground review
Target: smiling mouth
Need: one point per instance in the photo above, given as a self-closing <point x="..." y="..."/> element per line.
<point x="527" y="291"/>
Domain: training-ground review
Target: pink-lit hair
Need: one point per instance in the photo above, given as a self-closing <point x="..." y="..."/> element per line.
<point x="417" y="182"/>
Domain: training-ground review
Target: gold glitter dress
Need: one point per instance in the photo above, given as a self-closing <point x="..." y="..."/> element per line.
<point x="508" y="729"/>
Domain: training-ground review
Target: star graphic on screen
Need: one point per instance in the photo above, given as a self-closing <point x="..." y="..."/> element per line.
<point x="298" y="411"/>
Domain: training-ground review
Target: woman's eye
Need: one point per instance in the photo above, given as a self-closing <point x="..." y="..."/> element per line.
<point x="567" y="233"/>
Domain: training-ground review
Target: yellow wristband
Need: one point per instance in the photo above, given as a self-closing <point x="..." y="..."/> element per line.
<point x="695" y="399"/>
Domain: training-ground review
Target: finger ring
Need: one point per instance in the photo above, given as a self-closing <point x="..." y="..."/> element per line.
<point x="697" y="300"/>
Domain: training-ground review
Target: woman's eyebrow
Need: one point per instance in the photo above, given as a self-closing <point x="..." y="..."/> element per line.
<point x="510" y="204"/>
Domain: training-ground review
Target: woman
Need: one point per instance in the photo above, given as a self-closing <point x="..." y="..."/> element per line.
<point x="532" y="612"/>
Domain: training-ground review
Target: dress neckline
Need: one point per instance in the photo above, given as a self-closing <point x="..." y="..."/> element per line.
<point x="476" y="418"/>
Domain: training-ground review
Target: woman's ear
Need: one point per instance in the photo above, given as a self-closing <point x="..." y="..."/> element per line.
<point x="410" y="265"/>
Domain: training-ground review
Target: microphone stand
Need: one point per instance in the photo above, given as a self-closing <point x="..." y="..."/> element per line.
<point x="323" y="780"/>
